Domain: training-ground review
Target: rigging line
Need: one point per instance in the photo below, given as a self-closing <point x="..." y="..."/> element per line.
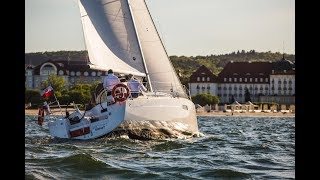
<point x="139" y="43"/>
<point x="116" y="15"/>
<point x="111" y="2"/>
<point x="173" y="72"/>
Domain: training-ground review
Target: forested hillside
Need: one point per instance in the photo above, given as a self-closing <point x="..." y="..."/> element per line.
<point x="183" y="64"/>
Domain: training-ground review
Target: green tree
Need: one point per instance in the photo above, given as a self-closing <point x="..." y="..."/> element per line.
<point x="204" y="99"/>
<point x="81" y="93"/>
<point x="56" y="82"/>
<point x="246" y="95"/>
<point x="32" y="96"/>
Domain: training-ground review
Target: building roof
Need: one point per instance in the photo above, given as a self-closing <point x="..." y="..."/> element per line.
<point x="245" y="70"/>
<point x="237" y="70"/>
<point x="67" y="66"/>
<point x="283" y="66"/>
<point x="203" y="71"/>
<point x="29" y="66"/>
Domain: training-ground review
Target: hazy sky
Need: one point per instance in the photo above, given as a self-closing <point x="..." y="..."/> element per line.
<point x="187" y="27"/>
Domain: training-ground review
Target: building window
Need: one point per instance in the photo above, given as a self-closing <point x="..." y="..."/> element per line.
<point x="93" y="73"/>
<point x="240" y="79"/>
<point x="72" y="73"/>
<point x="250" y="79"/>
<point x="245" y="79"/>
<point x="208" y="87"/>
<point x="47" y="70"/>
<point x="230" y="79"/>
<point x="261" y="79"/>
<point x="235" y="79"/>
<point x="256" y="79"/>
<point x="198" y="87"/>
<point x="198" y="78"/>
<point x="225" y="88"/>
<point x="208" y="78"/>
<point x="203" y="78"/>
<point x="86" y="73"/>
<point x="61" y="72"/>
<point x="267" y="79"/>
<point x="279" y="82"/>
<point x="78" y="73"/>
<point x="219" y="88"/>
<point x="224" y="79"/>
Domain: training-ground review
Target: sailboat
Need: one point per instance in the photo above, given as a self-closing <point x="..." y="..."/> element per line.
<point x="121" y="35"/>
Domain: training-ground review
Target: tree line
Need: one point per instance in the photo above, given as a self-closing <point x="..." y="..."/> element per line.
<point x="184" y="65"/>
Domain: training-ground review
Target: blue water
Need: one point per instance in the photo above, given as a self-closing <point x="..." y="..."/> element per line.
<point x="230" y="148"/>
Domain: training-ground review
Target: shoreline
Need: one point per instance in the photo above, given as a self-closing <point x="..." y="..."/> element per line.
<point x="247" y="114"/>
<point x="34" y="112"/>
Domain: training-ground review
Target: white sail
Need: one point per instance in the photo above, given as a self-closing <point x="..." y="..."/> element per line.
<point x="110" y="36"/>
<point x="159" y="68"/>
<point x="120" y="35"/>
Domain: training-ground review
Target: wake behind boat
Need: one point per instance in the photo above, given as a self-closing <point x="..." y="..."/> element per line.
<point x="120" y="35"/>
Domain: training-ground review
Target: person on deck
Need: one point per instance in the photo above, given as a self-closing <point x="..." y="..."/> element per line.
<point x="109" y="82"/>
<point x="135" y="86"/>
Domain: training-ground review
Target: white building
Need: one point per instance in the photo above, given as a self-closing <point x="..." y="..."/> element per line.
<point x="72" y="71"/>
<point x="266" y="82"/>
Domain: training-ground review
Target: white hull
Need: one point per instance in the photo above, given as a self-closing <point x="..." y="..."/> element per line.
<point x="161" y="116"/>
<point x="94" y="124"/>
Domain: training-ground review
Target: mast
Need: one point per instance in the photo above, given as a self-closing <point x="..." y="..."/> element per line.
<point x="143" y="59"/>
<point x="164" y="48"/>
<point x="83" y="36"/>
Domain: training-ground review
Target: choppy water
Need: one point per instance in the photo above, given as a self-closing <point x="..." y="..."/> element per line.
<point x="231" y="148"/>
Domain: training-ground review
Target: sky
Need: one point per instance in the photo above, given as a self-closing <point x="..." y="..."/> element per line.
<point x="186" y="27"/>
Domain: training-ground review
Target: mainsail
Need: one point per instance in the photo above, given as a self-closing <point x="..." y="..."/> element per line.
<point x="121" y="35"/>
<point x="110" y="36"/>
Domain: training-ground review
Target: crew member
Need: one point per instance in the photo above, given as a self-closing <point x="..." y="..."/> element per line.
<point x="135" y="86"/>
<point x="109" y="82"/>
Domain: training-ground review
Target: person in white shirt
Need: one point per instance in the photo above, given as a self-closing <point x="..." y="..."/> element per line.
<point x="135" y="86"/>
<point x="109" y="82"/>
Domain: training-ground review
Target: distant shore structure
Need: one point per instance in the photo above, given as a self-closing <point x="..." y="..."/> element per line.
<point x="265" y="81"/>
